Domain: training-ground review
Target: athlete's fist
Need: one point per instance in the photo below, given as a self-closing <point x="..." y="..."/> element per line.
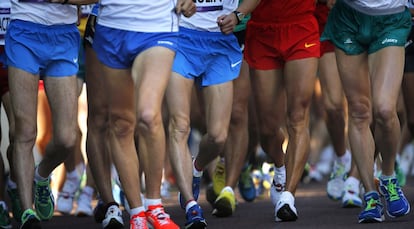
<point x="227" y="23"/>
<point x="186" y="7"/>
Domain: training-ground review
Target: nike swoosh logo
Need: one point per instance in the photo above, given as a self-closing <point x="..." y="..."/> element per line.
<point x="235" y="64"/>
<point x="309" y="45"/>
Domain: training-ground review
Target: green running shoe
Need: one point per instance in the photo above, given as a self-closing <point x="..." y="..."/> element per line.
<point x="44" y="200"/>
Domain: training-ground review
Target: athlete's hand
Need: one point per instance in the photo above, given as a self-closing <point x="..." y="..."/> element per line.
<point x="330" y="3"/>
<point x="227" y="23"/>
<point x="186" y="7"/>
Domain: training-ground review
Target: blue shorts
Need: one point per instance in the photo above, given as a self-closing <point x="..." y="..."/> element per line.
<point x="118" y="48"/>
<point x="212" y="56"/>
<point x="45" y="50"/>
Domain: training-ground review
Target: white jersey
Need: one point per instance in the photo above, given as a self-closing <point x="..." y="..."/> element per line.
<point x="378" y="7"/>
<point x="43" y="12"/>
<point x="410" y="4"/>
<point x="139" y="15"/>
<point x="207" y="13"/>
<point x="5" y="6"/>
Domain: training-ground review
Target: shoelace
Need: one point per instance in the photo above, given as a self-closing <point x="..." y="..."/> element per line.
<point x="160" y="215"/>
<point x="371" y="204"/>
<point x="43" y="194"/>
<point x="339" y="171"/>
<point x="139" y="222"/>
<point x="392" y="190"/>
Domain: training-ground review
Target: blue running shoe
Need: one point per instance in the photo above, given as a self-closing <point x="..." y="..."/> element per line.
<point x="397" y="204"/>
<point x="246" y="185"/>
<point x="195" y="218"/>
<point x="374" y="210"/>
<point x="44" y="200"/>
<point x="196" y="191"/>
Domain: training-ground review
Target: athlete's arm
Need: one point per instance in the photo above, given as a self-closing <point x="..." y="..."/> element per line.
<point x="228" y="22"/>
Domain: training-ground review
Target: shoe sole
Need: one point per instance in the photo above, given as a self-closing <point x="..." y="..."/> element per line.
<point x="197" y="225"/>
<point x="372" y="220"/>
<point x="285" y="214"/>
<point x="114" y="224"/>
<point x="222" y="208"/>
<point x="31" y="224"/>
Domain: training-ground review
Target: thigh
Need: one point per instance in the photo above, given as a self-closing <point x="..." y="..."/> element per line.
<point x="300" y="76"/>
<point x="23" y="93"/>
<point x="218" y="102"/>
<point x="62" y="94"/>
<point x="386" y="71"/>
<point x="151" y="71"/>
<point x="330" y="82"/>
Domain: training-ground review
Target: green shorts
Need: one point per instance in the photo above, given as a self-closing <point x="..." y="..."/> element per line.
<point x="354" y="32"/>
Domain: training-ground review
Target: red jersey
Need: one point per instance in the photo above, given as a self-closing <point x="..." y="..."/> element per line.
<point x="282" y="10"/>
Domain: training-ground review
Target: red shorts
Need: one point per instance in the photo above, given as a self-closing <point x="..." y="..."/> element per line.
<point x="270" y="45"/>
<point x="4" y="75"/>
<point x="321" y="14"/>
<point x="327" y="46"/>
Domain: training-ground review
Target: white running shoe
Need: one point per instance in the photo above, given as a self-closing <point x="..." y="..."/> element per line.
<point x="335" y="185"/>
<point x="113" y="218"/>
<point x="278" y="186"/>
<point x="66" y="196"/>
<point x="285" y="209"/>
<point x="85" y="203"/>
<point x="351" y="198"/>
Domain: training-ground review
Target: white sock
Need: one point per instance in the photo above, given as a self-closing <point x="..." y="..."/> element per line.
<point x="137" y="210"/>
<point x="190" y="205"/>
<point x="151" y="202"/>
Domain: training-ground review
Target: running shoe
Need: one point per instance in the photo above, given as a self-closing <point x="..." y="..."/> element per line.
<point x="15" y="203"/>
<point x="99" y="211"/>
<point x="335" y="185"/>
<point x="401" y="177"/>
<point x="278" y="186"/>
<point x="285" y="209"/>
<point x="195" y="218"/>
<point x="113" y="217"/>
<point x="225" y="203"/>
<point x="84" y="204"/>
<point x="138" y="221"/>
<point x="397" y="204"/>
<point x="196" y="191"/>
<point x="211" y="196"/>
<point x="44" y="201"/>
<point x="374" y="210"/>
<point x="65" y="198"/>
<point x="219" y="177"/>
<point x="246" y="185"/>
<point x="351" y="198"/>
<point x="158" y="219"/>
<point x="5" y="221"/>
<point x="30" y="220"/>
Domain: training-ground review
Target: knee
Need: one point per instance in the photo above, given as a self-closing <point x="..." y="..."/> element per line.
<point x="149" y="120"/>
<point x="65" y="138"/>
<point x="360" y="114"/>
<point x="218" y="137"/>
<point x="385" y="117"/>
<point x="122" y="124"/>
<point x="179" y="128"/>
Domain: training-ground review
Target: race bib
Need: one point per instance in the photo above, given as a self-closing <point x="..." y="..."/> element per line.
<point x="209" y="5"/>
<point x="4" y="21"/>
